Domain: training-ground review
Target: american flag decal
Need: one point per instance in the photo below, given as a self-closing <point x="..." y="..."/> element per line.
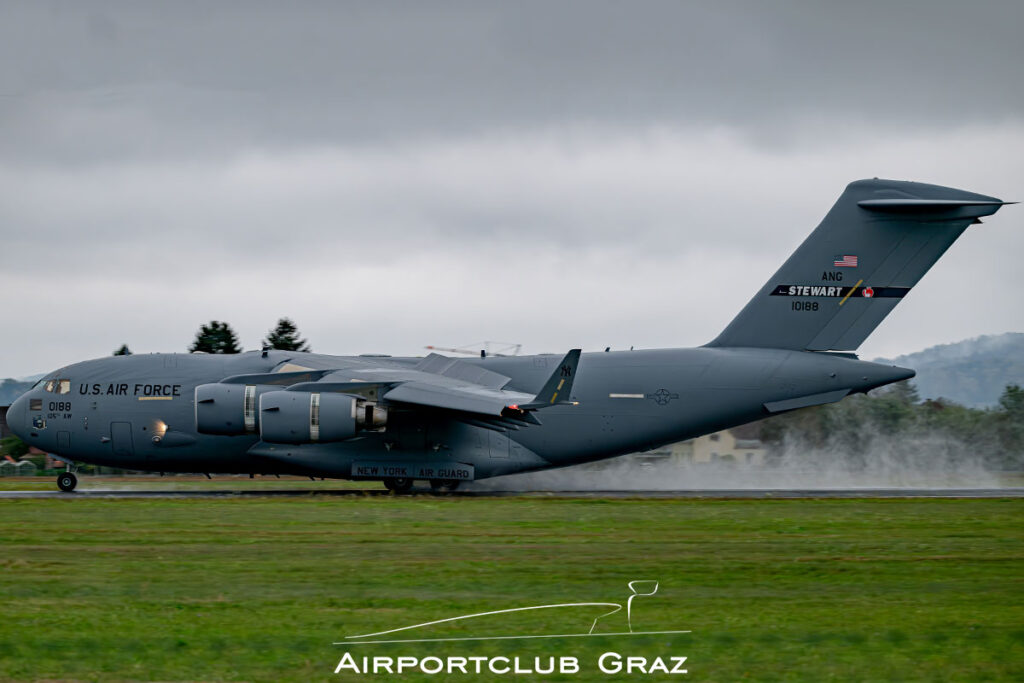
<point x="844" y="262"/>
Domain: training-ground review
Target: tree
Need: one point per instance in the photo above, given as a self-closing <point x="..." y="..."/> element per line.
<point x="123" y="351"/>
<point x="1012" y="401"/>
<point x="217" y="337"/>
<point x="285" y="337"/>
<point x="904" y="391"/>
<point x="14" y="447"/>
<point x="1010" y="419"/>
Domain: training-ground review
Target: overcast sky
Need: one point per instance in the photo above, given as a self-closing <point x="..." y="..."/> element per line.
<point x="556" y="174"/>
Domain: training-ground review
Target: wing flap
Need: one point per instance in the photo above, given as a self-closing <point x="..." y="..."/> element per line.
<point x="458" y="369"/>
<point x="469" y="398"/>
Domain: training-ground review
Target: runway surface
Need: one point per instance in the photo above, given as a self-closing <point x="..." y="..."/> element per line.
<point x="84" y="494"/>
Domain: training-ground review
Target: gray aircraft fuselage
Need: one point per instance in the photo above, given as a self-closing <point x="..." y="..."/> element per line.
<point x="137" y="412"/>
<point x="440" y="419"/>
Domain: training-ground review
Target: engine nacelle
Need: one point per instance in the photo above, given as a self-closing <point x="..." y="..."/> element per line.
<point x="229" y="409"/>
<point x="307" y="417"/>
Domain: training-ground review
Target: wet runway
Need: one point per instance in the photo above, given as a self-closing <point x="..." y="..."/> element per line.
<point x="783" y="494"/>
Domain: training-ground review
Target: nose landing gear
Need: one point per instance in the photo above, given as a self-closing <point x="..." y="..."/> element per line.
<point x="67" y="481"/>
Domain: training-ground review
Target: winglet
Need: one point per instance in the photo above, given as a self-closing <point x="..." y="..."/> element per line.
<point x="558" y="388"/>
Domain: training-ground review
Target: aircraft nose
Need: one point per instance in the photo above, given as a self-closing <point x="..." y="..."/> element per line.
<point x="16" y="417"/>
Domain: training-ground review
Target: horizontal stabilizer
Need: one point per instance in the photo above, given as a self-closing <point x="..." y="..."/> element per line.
<point x="936" y="209"/>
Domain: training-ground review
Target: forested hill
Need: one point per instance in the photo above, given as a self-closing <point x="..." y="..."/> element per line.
<point x="973" y="372"/>
<point x="11" y="389"/>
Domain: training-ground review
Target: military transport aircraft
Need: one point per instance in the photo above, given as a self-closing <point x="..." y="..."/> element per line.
<point x="447" y="420"/>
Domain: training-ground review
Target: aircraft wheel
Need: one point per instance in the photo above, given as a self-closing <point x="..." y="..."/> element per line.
<point x="443" y="485"/>
<point x="67" y="481"/>
<point x="398" y="484"/>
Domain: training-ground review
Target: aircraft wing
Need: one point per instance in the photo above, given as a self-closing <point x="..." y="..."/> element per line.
<point x="440" y="383"/>
<point x="464" y="387"/>
<point x="470" y="393"/>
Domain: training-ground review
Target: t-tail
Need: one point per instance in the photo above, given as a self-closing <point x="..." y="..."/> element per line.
<point x="869" y="252"/>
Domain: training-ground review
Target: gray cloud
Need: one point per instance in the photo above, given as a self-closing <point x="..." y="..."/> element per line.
<point x="182" y="79"/>
<point x="397" y="174"/>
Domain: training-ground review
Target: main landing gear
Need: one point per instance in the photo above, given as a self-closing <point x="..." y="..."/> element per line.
<point x="67" y="481"/>
<point x="404" y="485"/>
<point x="398" y="484"/>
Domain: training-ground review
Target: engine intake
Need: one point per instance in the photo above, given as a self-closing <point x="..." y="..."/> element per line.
<point x="228" y="409"/>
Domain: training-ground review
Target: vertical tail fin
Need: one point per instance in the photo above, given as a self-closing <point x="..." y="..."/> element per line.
<point x="875" y="244"/>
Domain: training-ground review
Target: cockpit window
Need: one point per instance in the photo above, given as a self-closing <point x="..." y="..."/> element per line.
<point x="38" y="384"/>
<point x="58" y="386"/>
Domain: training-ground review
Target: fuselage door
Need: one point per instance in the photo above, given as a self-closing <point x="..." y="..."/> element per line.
<point x="121" y="439"/>
<point x="498" y="444"/>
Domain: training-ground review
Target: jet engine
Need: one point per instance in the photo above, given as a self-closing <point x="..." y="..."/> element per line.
<point x="307" y="417"/>
<point x="229" y="409"/>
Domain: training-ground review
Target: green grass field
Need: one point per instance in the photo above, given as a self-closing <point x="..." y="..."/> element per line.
<point x="258" y="589"/>
<point x="189" y="482"/>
